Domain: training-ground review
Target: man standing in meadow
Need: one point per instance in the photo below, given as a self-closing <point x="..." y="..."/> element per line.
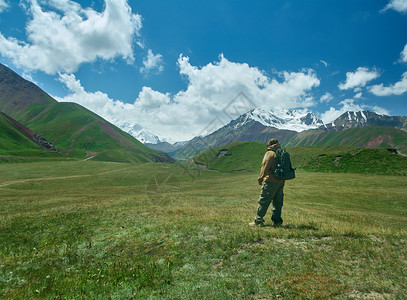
<point x="272" y="188"/>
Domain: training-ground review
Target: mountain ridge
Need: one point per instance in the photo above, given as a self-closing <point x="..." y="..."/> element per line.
<point x="352" y="119"/>
<point x="252" y="126"/>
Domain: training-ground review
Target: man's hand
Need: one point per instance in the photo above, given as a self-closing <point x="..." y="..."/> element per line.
<point x="260" y="181"/>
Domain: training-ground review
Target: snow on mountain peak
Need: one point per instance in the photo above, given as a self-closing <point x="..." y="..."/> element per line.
<point x="139" y="133"/>
<point x="289" y="119"/>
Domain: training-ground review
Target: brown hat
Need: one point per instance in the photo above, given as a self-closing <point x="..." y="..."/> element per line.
<point x="272" y="142"/>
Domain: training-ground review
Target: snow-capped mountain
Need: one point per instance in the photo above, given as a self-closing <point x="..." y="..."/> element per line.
<point x="353" y="119"/>
<point x="139" y="133"/>
<point x="145" y="137"/>
<point x="256" y="125"/>
<point x="296" y="120"/>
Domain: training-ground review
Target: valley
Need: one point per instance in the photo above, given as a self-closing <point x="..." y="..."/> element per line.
<point x="91" y="229"/>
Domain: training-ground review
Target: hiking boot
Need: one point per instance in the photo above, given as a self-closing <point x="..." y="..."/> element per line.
<point x="254" y="223"/>
<point x="276" y="225"/>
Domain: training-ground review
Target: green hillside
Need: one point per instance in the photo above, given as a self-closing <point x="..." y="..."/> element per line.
<point x="342" y="159"/>
<point x="80" y="133"/>
<point x="12" y="139"/>
<point x="70" y="127"/>
<point x="236" y="156"/>
<point x="366" y="137"/>
<point x="74" y="128"/>
<point x="15" y="146"/>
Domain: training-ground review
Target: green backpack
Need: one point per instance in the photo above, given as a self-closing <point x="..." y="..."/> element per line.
<point x="283" y="169"/>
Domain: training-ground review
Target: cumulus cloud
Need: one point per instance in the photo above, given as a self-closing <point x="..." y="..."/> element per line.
<point x="3" y="5"/>
<point x="397" y="5"/>
<point x="326" y="97"/>
<point x="358" y="78"/>
<point x="66" y="35"/>
<point x="152" y="63"/>
<point x="212" y="93"/>
<point x="223" y="80"/>
<point x="349" y="105"/>
<point x="398" y="88"/>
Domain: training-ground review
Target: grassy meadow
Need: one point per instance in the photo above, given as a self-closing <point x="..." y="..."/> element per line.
<point x="99" y="230"/>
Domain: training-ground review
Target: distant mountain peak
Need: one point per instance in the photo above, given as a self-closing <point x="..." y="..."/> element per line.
<point x="135" y="130"/>
<point x="288" y="119"/>
<point x="353" y="119"/>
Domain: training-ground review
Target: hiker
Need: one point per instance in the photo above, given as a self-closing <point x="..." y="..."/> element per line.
<point x="272" y="188"/>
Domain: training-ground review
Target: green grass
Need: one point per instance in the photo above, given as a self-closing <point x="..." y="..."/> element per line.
<point x="348" y="159"/>
<point x="11" y="138"/>
<point x="77" y="229"/>
<point x="240" y="156"/>
<point x="236" y="156"/>
<point x="369" y="136"/>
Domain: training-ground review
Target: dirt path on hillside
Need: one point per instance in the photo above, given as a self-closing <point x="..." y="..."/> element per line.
<point x="7" y="183"/>
<point x="40" y="179"/>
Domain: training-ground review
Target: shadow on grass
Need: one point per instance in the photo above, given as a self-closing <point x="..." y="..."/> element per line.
<point x="297" y="227"/>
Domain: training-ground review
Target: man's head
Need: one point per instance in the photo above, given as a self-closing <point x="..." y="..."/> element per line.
<point x="273" y="144"/>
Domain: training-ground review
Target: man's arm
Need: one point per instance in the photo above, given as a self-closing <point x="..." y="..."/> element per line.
<point x="265" y="166"/>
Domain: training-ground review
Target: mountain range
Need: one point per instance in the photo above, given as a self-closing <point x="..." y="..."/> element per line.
<point x="73" y="129"/>
<point x="302" y="128"/>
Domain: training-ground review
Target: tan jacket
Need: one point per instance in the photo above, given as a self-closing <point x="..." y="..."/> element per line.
<point x="268" y="164"/>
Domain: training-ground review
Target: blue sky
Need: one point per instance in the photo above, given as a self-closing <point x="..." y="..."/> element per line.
<point x="172" y="68"/>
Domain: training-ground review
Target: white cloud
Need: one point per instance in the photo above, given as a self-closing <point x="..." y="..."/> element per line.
<point x="3" y="5"/>
<point x="397" y="5"/>
<point x="358" y="95"/>
<point x="222" y="81"/>
<point x="349" y="105"/>
<point x="326" y="97"/>
<point x="404" y="54"/>
<point x="333" y="113"/>
<point x="66" y="35"/>
<point x="324" y="62"/>
<point x="152" y="63"/>
<point x="398" y="88"/>
<point x="358" y="78"/>
<point x="208" y="95"/>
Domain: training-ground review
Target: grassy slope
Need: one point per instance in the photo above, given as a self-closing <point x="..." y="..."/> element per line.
<point x="370" y="136"/>
<point x="95" y="233"/>
<point x="16" y="147"/>
<point x="237" y="156"/>
<point x="11" y="139"/>
<point x="248" y="156"/>
<point x="71" y="126"/>
<point x="68" y="125"/>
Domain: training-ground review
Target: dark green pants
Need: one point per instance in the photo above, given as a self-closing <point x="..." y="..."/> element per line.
<point x="271" y="193"/>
